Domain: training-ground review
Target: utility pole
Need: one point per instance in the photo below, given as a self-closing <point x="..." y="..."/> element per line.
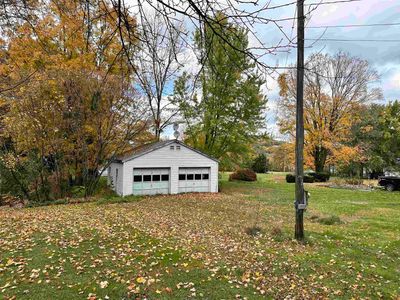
<point x="300" y="201"/>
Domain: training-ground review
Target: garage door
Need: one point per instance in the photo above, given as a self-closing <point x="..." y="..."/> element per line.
<point x="194" y="180"/>
<point x="150" y="181"/>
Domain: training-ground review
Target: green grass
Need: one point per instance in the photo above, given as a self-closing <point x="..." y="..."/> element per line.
<point x="197" y="246"/>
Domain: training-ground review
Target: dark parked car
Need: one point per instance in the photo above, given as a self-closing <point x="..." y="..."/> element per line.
<point x="390" y="183"/>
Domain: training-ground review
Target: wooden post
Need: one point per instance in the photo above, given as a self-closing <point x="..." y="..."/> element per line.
<point x="299" y="227"/>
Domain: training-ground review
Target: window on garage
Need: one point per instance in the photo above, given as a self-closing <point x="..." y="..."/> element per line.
<point x="197" y="176"/>
<point x="205" y="176"/>
<point x="165" y="177"/>
<point x="182" y="176"/>
<point x="156" y="177"/>
<point x="137" y="178"/>
<point x="189" y="176"/>
<point x="146" y="177"/>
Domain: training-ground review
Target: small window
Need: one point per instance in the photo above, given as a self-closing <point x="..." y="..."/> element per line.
<point x="165" y="177"/>
<point x="137" y="178"/>
<point x="178" y="147"/>
<point x="146" y="177"/>
<point x="156" y="177"/>
<point x="190" y="176"/>
<point x="197" y="176"/>
<point x="205" y="176"/>
<point x="171" y="147"/>
<point x="182" y="176"/>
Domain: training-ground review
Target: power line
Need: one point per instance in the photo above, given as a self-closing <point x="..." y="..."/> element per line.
<point x="312" y="4"/>
<point x="331" y="2"/>
<point x="353" y="40"/>
<point x="355" y="25"/>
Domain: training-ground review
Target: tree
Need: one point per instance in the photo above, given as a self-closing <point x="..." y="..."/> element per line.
<point x="157" y="66"/>
<point x="367" y="135"/>
<point x="335" y="88"/>
<point x="260" y="163"/>
<point x="78" y="109"/>
<point x="390" y="142"/>
<point x="227" y="112"/>
<point x="281" y="157"/>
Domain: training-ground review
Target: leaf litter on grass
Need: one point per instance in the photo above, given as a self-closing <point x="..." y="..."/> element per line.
<point x="95" y="250"/>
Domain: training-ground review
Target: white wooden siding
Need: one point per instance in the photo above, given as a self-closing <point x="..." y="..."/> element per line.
<point x="116" y="184"/>
<point x="173" y="159"/>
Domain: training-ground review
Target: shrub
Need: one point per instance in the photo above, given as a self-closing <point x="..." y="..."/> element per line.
<point x="260" y="164"/>
<point x="243" y="175"/>
<point x="320" y="176"/>
<point x="78" y="191"/>
<point x="291" y="178"/>
<point x="308" y="178"/>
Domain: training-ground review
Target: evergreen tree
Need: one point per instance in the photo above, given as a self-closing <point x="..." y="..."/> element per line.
<point x="260" y="164"/>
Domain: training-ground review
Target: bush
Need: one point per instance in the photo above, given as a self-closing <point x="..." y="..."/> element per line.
<point x="78" y="191"/>
<point x="243" y="175"/>
<point x="290" y="178"/>
<point x="260" y="164"/>
<point x="320" y="176"/>
<point x="308" y="178"/>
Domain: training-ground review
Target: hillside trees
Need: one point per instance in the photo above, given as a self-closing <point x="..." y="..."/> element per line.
<point x="223" y="107"/>
<point x="336" y="87"/>
<point x="78" y="108"/>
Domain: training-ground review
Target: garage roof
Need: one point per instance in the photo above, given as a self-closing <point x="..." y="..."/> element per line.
<point x="147" y="148"/>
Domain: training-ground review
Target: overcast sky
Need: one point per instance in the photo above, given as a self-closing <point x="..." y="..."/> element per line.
<point x="383" y="56"/>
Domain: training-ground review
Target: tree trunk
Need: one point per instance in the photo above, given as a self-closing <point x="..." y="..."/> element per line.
<point x="320" y="155"/>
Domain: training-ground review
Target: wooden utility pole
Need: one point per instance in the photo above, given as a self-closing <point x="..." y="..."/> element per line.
<point x="300" y="201"/>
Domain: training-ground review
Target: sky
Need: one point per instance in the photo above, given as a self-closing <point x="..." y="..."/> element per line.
<point x="383" y="56"/>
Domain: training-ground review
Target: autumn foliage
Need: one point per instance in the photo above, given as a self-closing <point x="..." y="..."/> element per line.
<point x="336" y="87"/>
<point x="75" y="107"/>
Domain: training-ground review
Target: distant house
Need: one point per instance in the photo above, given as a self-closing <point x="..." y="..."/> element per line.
<point x="166" y="167"/>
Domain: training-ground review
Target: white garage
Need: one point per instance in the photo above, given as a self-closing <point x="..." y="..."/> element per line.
<point x="166" y="167"/>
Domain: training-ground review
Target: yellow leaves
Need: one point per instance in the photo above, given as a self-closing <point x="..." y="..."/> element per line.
<point x="140" y="280"/>
<point x="10" y="262"/>
<point x="9" y="160"/>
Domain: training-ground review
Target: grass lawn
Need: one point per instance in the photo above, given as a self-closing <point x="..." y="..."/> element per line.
<point x="197" y="246"/>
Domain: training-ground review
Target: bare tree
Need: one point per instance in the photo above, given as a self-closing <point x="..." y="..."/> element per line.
<point x="158" y="59"/>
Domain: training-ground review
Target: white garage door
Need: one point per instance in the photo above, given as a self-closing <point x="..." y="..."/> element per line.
<point x="150" y="181"/>
<point x="194" y="180"/>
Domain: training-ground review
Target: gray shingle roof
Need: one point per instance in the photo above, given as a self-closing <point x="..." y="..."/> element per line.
<point x="144" y="149"/>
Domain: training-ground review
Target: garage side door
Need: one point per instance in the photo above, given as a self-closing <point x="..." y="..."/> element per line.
<point x="194" y="180"/>
<point x="150" y="181"/>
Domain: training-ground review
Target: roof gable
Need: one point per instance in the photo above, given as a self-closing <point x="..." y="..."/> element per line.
<point x="145" y="149"/>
